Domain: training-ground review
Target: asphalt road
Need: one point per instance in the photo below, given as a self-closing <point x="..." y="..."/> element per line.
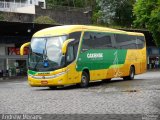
<point x="139" y="96"/>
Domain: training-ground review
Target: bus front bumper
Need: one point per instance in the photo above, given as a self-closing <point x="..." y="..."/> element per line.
<point x="45" y="81"/>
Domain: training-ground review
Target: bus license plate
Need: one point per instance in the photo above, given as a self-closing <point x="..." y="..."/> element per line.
<point x="44" y="82"/>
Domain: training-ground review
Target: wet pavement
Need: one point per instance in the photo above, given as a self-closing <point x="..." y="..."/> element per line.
<point x="139" y="96"/>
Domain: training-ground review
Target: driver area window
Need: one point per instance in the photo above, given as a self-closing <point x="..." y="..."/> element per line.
<point x="70" y="54"/>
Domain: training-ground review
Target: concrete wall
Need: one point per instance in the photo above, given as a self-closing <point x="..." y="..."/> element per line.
<point x="59" y="15"/>
<point x="17" y="17"/>
<point x="27" y="9"/>
<point x="66" y="16"/>
<point x="2" y="49"/>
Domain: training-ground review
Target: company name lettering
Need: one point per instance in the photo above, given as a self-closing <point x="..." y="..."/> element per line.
<point x="95" y="55"/>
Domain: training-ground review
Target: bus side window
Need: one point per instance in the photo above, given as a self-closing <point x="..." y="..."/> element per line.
<point x="96" y="40"/>
<point x="102" y="41"/>
<point x="70" y="54"/>
<point x="75" y="49"/>
<point x="140" y="42"/>
<point x="87" y="42"/>
<point x="124" y="41"/>
<point x="75" y="35"/>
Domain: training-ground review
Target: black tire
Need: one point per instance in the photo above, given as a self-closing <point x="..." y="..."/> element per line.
<point x="52" y="87"/>
<point x="84" y="80"/>
<point x="131" y="74"/>
<point x="106" y="80"/>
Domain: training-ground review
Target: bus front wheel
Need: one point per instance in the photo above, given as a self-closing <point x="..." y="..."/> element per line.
<point x="131" y="74"/>
<point x="52" y="87"/>
<point x="84" y="80"/>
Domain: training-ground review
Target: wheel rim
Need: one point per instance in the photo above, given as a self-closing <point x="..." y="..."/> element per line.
<point x="84" y="79"/>
<point x="132" y="73"/>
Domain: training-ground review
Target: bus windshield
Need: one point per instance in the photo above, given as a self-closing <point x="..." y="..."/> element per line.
<point x="46" y="53"/>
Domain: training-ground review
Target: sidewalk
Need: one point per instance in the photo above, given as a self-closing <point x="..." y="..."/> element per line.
<point x="4" y="78"/>
<point x="153" y="70"/>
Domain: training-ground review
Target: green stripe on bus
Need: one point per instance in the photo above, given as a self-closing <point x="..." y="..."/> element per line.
<point x="96" y="59"/>
<point x="31" y="72"/>
<point x="116" y="66"/>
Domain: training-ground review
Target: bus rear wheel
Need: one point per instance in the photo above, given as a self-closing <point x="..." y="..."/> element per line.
<point x="131" y="74"/>
<point x="84" y="80"/>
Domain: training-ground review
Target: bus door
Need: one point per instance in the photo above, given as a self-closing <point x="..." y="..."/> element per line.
<point x="73" y="75"/>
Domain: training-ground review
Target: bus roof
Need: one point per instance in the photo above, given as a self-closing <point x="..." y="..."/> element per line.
<point x="66" y="29"/>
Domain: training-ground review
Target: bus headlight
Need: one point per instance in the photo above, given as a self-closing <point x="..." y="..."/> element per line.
<point x="48" y="77"/>
<point x="54" y="76"/>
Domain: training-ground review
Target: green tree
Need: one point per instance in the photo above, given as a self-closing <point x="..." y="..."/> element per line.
<point x="44" y="20"/>
<point x="123" y="13"/>
<point x="147" y="13"/>
<point x="2" y="17"/>
<point x="116" y="12"/>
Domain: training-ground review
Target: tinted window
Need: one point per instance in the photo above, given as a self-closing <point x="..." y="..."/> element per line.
<point x="70" y="54"/>
<point x="140" y="42"/>
<point x="95" y="40"/>
<point x="75" y="35"/>
<point x="129" y="41"/>
<point x="75" y="49"/>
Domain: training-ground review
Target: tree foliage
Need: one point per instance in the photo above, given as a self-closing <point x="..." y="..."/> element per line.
<point x="44" y="20"/>
<point x="147" y="14"/>
<point x="123" y="13"/>
<point x="2" y="17"/>
<point x="116" y="12"/>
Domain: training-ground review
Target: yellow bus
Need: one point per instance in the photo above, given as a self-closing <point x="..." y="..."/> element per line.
<point x="79" y="54"/>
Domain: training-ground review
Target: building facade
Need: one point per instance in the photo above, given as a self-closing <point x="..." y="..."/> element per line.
<point x="12" y="36"/>
<point x="11" y="63"/>
<point x="21" y="6"/>
<point x="153" y="54"/>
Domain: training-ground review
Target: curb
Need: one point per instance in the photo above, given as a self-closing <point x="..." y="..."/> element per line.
<point x="154" y="70"/>
<point x="12" y="78"/>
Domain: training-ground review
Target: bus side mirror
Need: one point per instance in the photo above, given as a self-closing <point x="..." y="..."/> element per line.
<point x="23" y="46"/>
<point x="65" y="44"/>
